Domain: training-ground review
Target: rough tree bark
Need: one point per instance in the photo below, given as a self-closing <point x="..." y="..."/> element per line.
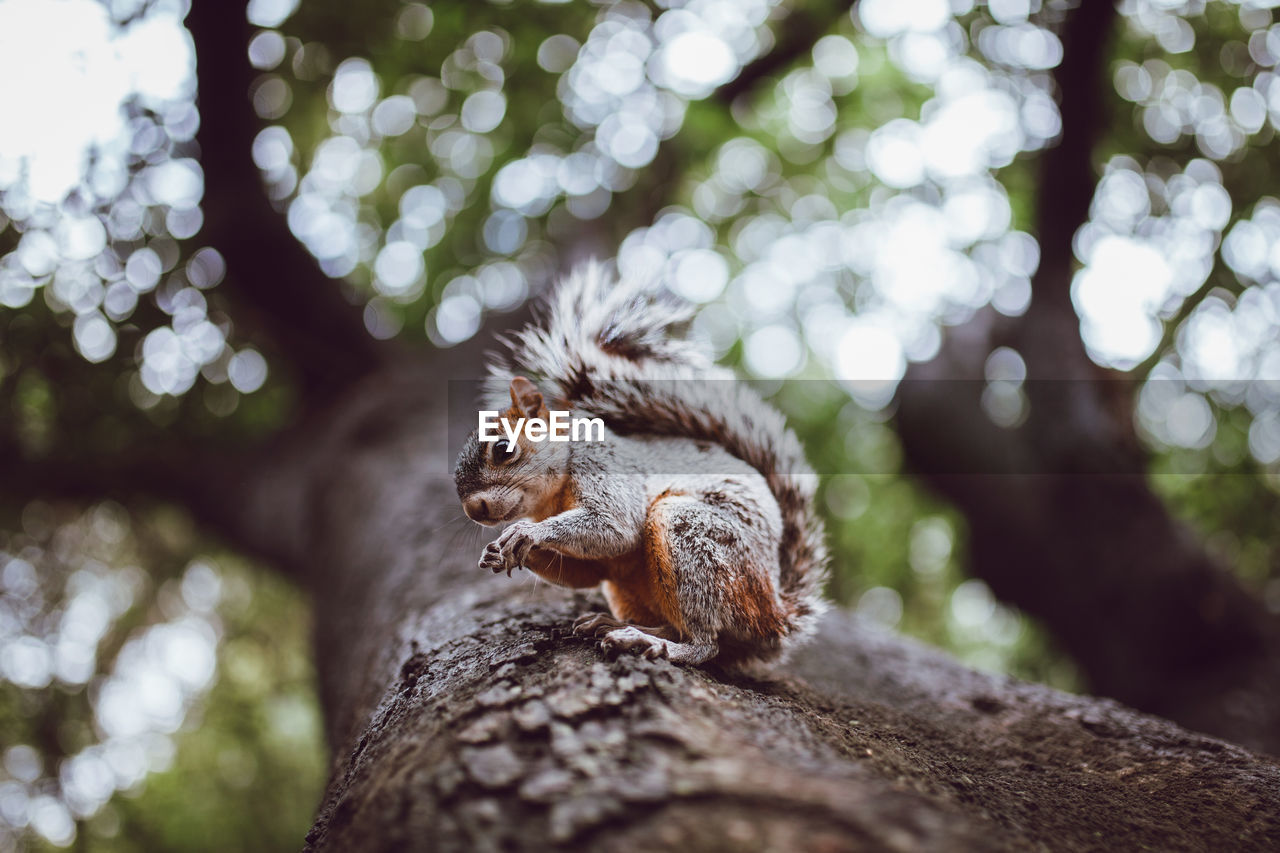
<point x="1061" y="519"/>
<point x="462" y="714"/>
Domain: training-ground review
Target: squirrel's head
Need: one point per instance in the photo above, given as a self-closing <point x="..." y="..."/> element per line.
<point x="503" y="480"/>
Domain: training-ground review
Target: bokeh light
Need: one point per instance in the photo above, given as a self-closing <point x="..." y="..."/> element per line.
<point x="56" y="619"/>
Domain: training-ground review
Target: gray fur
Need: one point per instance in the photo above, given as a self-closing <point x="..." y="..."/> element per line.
<point x="603" y="349"/>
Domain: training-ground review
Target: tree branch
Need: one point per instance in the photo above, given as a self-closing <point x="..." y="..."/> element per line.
<point x="276" y="287"/>
<point x="800" y="30"/>
<point x="1067" y="177"/>
<point x="210" y="484"/>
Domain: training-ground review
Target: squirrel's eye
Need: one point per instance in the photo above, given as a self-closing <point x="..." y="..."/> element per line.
<point x="504" y="451"/>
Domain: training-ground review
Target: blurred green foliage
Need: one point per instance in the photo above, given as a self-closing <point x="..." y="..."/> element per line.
<point x="245" y="766"/>
<point x="1229" y="500"/>
<point x="249" y="768"/>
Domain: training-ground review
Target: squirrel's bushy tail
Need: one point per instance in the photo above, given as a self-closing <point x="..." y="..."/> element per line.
<point x="603" y="347"/>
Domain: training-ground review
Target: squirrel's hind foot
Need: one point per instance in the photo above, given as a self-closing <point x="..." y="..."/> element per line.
<point x="595" y="624"/>
<point x="599" y="624"/>
<point x="629" y="638"/>
<point x="663" y="641"/>
<point x="636" y="640"/>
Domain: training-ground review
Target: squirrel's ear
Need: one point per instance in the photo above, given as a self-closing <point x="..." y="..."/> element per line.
<point x="526" y="397"/>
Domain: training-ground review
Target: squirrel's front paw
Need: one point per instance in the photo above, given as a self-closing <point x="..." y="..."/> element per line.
<point x="491" y="559"/>
<point x="510" y="549"/>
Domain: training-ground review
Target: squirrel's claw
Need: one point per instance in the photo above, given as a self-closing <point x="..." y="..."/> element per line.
<point x="632" y="639"/>
<point x="595" y="624"/>
<point x="509" y="550"/>
<point x="491" y="559"/>
<point x="655" y="651"/>
<point x="506" y="553"/>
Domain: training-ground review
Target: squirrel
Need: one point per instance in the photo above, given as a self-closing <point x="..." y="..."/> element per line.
<point x="695" y="512"/>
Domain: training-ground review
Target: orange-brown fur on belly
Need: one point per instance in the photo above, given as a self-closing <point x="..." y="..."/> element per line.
<point x="640" y="586"/>
<point x="563" y="570"/>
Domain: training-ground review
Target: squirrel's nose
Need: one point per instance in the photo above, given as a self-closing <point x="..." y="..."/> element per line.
<point x="476" y="508"/>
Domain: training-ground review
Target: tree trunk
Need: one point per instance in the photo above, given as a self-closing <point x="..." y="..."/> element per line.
<point x="1061" y="520"/>
<point x="463" y="715"/>
<point x="1063" y="524"/>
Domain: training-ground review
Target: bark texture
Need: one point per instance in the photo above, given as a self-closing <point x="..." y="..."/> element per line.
<point x="463" y="716"/>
